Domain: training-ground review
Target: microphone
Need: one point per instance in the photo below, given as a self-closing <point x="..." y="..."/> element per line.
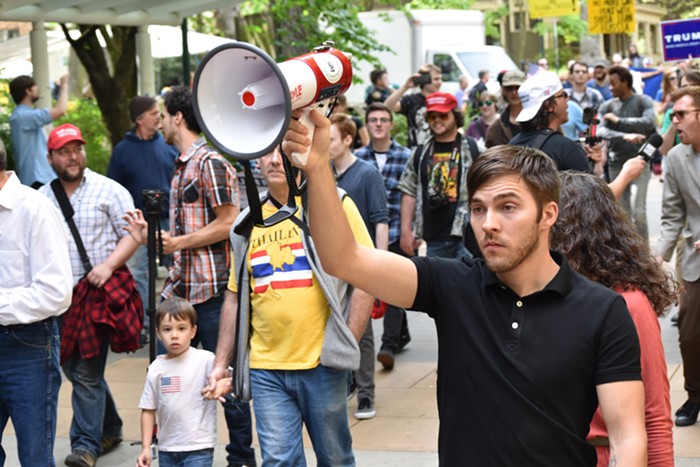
<point x="649" y="148"/>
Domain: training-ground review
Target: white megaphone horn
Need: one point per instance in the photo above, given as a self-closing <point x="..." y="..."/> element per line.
<point x="243" y="99"/>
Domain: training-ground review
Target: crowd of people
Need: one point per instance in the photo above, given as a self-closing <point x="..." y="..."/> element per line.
<point x="515" y="217"/>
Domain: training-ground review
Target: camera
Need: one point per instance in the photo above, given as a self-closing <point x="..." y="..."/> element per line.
<point x="424" y="78"/>
<point x="589" y="119"/>
<point x="153" y="201"/>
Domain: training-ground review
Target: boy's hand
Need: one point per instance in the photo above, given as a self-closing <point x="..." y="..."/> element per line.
<point x="144" y="459"/>
<point x="220" y="384"/>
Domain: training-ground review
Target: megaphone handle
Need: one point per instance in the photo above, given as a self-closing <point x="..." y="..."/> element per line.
<point x="305" y="119"/>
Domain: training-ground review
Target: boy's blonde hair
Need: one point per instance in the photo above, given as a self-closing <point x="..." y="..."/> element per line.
<point x="178" y="309"/>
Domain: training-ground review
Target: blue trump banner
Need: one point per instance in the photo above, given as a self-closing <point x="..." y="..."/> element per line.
<point x="681" y="39"/>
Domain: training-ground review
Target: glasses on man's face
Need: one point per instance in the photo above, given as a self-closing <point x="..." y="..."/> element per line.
<point x="378" y="120"/>
<point x="487" y="103"/>
<point x="432" y="116"/>
<point x="680" y="114"/>
<point x="563" y="95"/>
<point x="511" y="88"/>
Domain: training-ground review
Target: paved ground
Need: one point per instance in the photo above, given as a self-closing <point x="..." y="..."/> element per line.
<point x="404" y="432"/>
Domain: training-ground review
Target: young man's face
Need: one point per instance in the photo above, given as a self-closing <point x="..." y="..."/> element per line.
<point x="435" y="84"/>
<point x="176" y="335"/>
<point x="599" y="73"/>
<point x="167" y="127"/>
<point x="441" y="123"/>
<point x="618" y="88"/>
<point x="510" y="94"/>
<point x="687" y="121"/>
<point x="33" y="93"/>
<point x="379" y="125"/>
<point x="560" y="106"/>
<point x="69" y="161"/>
<point x="507" y="222"/>
<point x="339" y="144"/>
<point x="580" y="74"/>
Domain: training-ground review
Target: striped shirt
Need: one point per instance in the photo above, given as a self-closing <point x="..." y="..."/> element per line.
<point x="203" y="180"/>
<point x="99" y="204"/>
<point x="397" y="157"/>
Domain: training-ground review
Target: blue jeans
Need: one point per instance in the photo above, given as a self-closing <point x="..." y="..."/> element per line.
<point x="452" y="248"/>
<point x="284" y="399"/>
<point x="30" y="378"/>
<point x="201" y="458"/>
<point x="236" y="412"/>
<point x="94" y="412"/>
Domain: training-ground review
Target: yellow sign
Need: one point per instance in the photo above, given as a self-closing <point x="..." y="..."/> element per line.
<point x="547" y="8"/>
<point x="611" y="16"/>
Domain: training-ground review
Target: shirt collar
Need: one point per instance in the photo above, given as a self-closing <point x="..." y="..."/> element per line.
<point x="191" y="151"/>
<point x="561" y="283"/>
<point x="9" y="191"/>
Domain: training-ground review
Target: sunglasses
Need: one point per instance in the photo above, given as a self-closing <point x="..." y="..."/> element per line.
<point x="563" y="95"/>
<point x="680" y="114"/>
<point x="436" y="115"/>
<point x="485" y="103"/>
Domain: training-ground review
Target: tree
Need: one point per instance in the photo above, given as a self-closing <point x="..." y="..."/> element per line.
<point x="111" y="71"/>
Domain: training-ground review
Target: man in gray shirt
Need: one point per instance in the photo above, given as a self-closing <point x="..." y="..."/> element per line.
<point x="628" y="119"/>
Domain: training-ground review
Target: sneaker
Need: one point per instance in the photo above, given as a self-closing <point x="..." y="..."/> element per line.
<point x="365" y="409"/>
<point x="687" y="415"/>
<point x="110" y="443"/>
<point x="80" y="459"/>
<point x="386" y="358"/>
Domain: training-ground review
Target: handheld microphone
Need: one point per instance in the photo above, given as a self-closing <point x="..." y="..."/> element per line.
<point x="649" y="148"/>
<point x="590" y="138"/>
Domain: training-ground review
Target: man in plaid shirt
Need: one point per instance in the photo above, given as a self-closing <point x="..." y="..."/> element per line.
<point x="390" y="158"/>
<point x="204" y="202"/>
<point x="99" y="204"/>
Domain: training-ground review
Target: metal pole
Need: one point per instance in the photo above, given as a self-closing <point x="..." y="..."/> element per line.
<point x="185" y="55"/>
<point x="556" y="46"/>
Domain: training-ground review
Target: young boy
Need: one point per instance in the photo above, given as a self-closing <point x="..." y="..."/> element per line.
<point x="187" y="422"/>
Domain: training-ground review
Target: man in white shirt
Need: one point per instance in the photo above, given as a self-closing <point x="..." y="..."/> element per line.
<point x="35" y="288"/>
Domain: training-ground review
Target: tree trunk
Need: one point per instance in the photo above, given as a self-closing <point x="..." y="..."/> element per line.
<point x="112" y="73"/>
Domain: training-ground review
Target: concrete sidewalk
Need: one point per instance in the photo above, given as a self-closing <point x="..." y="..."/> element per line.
<point x="404" y="432"/>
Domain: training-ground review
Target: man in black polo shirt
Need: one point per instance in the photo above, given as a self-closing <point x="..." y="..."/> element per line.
<point x="528" y="348"/>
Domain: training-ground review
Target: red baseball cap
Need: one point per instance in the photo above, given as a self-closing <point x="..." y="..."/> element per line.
<point x="64" y="134"/>
<point x="442" y="102"/>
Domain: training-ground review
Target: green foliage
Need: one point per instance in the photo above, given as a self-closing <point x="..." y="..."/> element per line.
<point x="569" y="31"/>
<point x="440" y="4"/>
<point x="400" y="130"/>
<point x="7" y="105"/>
<point x="300" y="25"/>
<point x="86" y="115"/>
<point x="492" y="21"/>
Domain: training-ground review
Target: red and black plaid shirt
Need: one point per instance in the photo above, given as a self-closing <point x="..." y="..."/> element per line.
<point x="114" y="312"/>
<point x="203" y="180"/>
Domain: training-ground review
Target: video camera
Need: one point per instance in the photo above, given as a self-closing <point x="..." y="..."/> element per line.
<point x="589" y="119"/>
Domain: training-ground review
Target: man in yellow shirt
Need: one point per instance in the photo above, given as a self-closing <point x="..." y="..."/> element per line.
<point x="297" y="337"/>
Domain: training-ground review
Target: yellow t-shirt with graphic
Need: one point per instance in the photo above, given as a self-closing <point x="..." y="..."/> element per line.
<point x="289" y="308"/>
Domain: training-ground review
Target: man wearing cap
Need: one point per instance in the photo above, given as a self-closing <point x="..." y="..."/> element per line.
<point x="506" y="127"/>
<point x="27" y="129"/>
<point x="99" y="204"/>
<point x="544" y="111"/>
<point x="413" y="105"/>
<point x="599" y="82"/>
<point x="35" y="288"/>
<point x="434" y="183"/>
<point x="143" y="161"/>
<point x="204" y="202"/>
<point x="627" y="121"/>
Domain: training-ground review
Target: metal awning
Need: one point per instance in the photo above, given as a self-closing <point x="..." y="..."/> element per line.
<point x="114" y="12"/>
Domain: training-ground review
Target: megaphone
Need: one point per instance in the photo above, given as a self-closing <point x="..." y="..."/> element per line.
<point x="243" y="99"/>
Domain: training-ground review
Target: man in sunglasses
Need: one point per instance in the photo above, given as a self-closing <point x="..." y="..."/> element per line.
<point x="434" y="183"/>
<point x="680" y="216"/>
<point x="544" y="111"/>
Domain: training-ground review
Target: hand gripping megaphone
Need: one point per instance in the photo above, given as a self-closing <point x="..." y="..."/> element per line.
<point x="243" y="99"/>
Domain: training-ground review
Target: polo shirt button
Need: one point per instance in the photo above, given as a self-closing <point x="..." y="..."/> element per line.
<point x="514" y="325"/>
<point x="519" y="303"/>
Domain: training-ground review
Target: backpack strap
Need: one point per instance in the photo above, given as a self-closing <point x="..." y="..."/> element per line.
<point x="541" y="139"/>
<point x="68" y="212"/>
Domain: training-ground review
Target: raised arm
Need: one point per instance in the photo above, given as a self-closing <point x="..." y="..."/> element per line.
<point x="384" y="275"/>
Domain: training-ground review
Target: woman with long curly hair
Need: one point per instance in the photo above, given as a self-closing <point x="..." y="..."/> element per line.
<point x="602" y="244"/>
